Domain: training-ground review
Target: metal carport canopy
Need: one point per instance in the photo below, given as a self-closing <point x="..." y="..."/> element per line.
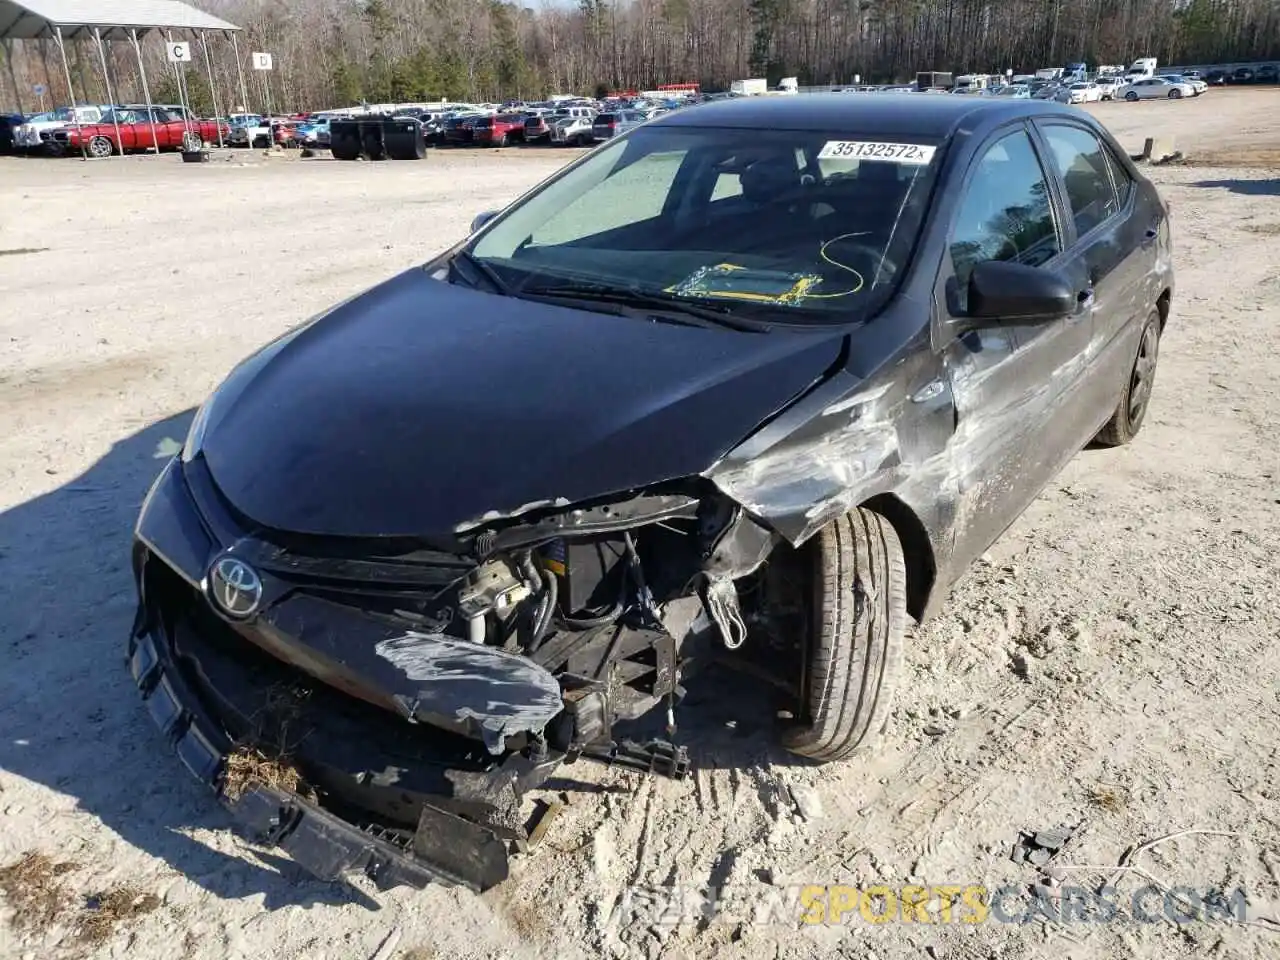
<point x="42" y="19"/>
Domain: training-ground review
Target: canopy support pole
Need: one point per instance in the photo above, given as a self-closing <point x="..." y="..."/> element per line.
<point x="182" y="90"/>
<point x="244" y="91"/>
<point x="213" y="87"/>
<point x="146" y="90"/>
<point x="106" y="79"/>
<point x="71" y="93"/>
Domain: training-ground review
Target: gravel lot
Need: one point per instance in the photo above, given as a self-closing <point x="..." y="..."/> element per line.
<point x="1111" y="661"/>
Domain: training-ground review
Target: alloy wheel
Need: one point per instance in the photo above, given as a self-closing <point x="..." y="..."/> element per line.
<point x="1144" y="373"/>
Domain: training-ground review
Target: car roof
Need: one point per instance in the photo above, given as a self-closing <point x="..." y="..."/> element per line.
<point x="888" y="114"/>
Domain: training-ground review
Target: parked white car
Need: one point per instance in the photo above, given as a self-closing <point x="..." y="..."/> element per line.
<point x="1156" y="88"/>
<point x="1083" y="91"/>
<point x="38" y="130"/>
<point x="1107" y="87"/>
<point x="1197" y="85"/>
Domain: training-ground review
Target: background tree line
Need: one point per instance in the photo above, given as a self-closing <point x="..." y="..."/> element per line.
<point x="331" y="53"/>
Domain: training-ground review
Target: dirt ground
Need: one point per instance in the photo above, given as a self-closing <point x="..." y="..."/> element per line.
<point x="1111" y="661"/>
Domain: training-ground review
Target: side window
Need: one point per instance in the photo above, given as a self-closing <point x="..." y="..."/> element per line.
<point x="727" y="185"/>
<point x="1006" y="213"/>
<point x="631" y="195"/>
<point x="1080" y="161"/>
<point x="1119" y="176"/>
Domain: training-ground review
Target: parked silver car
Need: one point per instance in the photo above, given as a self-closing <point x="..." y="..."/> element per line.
<point x="609" y="125"/>
<point x="574" y="131"/>
<point x="1155" y="88"/>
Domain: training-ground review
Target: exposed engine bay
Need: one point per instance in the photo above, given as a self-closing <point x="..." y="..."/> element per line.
<point x="614" y="601"/>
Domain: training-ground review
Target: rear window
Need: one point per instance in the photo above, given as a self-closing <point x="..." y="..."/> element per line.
<point x="607" y="118"/>
<point x="486" y="122"/>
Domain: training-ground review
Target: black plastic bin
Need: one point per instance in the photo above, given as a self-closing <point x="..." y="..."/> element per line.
<point x="344" y="139"/>
<point x="372" y="138"/>
<point x="403" y="139"/>
<point x="377" y="138"/>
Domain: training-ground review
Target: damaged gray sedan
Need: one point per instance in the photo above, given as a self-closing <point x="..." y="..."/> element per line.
<point x="756" y="380"/>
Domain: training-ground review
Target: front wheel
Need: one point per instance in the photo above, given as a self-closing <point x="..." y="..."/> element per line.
<point x="854" y="651"/>
<point x="99" y="147"/>
<point x="501" y="141"/>
<point x="1127" y="419"/>
<point x="1175" y="94"/>
<point x="1131" y="96"/>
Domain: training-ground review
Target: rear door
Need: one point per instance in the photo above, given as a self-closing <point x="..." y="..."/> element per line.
<point x="1014" y="384"/>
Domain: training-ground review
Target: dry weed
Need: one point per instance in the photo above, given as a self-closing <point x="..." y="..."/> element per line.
<point x="247" y="766"/>
<point x="33" y="890"/>
<point x="106" y="910"/>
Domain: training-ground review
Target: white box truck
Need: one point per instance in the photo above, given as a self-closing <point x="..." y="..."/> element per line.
<point x="750" y="88"/>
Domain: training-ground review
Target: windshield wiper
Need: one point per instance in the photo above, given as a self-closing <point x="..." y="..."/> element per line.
<point x="660" y="303"/>
<point x="479" y="269"/>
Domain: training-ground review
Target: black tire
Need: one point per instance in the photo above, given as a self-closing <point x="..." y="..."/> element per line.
<point x="855" y="651"/>
<point x="1136" y="396"/>
<point x="501" y="141"/>
<point x="1131" y="97"/>
<point x="1175" y="94"/>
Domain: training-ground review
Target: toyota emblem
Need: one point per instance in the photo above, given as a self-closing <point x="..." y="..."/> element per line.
<point x="235" y="587"/>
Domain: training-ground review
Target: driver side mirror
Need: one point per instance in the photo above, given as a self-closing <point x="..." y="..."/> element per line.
<point x="1002" y="291"/>
<point x="482" y="218"/>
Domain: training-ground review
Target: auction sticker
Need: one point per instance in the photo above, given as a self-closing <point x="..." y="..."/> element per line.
<point x="913" y="153"/>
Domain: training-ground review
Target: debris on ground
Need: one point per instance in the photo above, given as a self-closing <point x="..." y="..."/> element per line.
<point x="388" y="945"/>
<point x="107" y="909"/>
<point x="1040" y="846"/>
<point x="544" y="814"/>
<point x="807" y="801"/>
<point x="33" y="891"/>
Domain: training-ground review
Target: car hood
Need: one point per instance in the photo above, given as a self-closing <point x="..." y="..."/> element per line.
<point x="421" y="407"/>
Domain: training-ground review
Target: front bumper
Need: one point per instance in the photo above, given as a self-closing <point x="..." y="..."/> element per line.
<point x="320" y="842"/>
<point x="405" y="802"/>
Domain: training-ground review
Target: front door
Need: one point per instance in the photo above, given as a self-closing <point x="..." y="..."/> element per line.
<point x="1017" y="409"/>
<point x="1111" y="255"/>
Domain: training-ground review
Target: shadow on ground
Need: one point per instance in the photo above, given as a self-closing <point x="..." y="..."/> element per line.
<point x="1269" y="187"/>
<point x="70" y="717"/>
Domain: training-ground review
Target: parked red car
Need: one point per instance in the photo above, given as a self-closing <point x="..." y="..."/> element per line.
<point x="498" y="131"/>
<point x="131" y="128"/>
